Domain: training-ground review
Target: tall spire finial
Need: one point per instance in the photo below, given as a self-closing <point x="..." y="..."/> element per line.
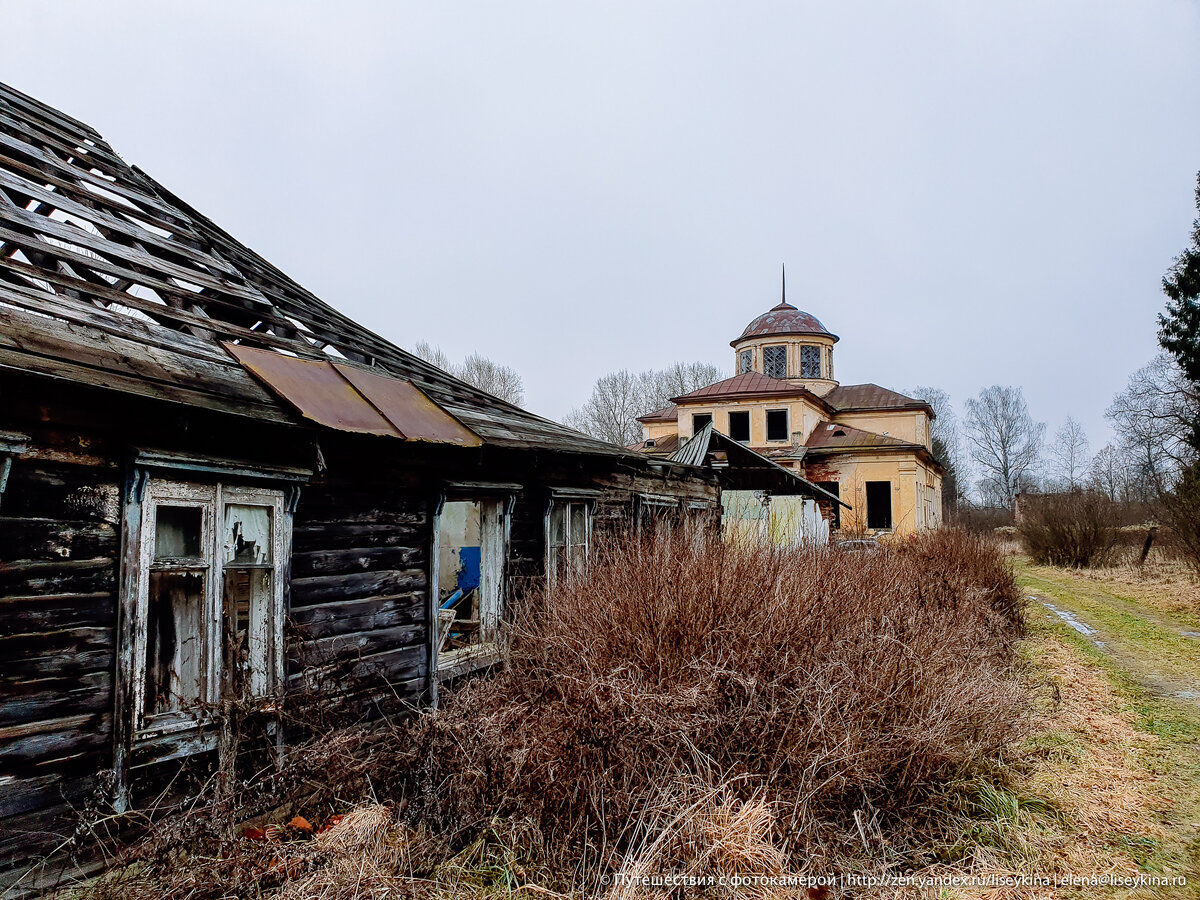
<point x="783" y="295"/>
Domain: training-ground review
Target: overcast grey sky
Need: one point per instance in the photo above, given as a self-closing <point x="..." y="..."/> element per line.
<point x="967" y="193"/>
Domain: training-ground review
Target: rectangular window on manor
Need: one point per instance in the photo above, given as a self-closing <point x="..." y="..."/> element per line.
<point x="810" y="362"/>
<point x="700" y="420"/>
<point x="777" y="424"/>
<point x="879" y="504"/>
<point x="739" y="426"/>
<point x="775" y="361"/>
<point x="745" y="362"/>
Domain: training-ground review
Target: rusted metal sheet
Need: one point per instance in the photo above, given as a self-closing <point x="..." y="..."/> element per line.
<point x="784" y="319"/>
<point x="316" y="389"/>
<point x="416" y="416"/>
<point x="349" y="398"/>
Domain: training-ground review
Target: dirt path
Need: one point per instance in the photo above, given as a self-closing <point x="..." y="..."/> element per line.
<point x="1157" y="648"/>
<point x="1113" y="666"/>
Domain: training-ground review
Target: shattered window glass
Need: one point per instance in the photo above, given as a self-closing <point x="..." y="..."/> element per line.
<point x="745" y="362"/>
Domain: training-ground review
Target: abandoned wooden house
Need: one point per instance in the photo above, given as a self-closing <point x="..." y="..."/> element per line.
<point x="214" y="487"/>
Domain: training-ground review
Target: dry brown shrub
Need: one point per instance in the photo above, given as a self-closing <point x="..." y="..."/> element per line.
<point x="688" y="706"/>
<point x="816" y="681"/>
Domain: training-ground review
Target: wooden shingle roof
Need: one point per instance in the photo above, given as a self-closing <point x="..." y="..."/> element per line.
<point x="109" y="279"/>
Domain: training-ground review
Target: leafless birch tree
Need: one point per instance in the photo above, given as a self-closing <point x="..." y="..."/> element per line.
<point x="1004" y="440"/>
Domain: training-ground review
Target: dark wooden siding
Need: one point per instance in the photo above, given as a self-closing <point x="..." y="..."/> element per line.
<point x="59" y="537"/>
<point x="360" y="581"/>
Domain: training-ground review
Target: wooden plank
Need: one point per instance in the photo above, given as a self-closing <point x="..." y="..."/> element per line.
<point x="358" y="644"/>
<point x="354" y="559"/>
<point x="26" y="615"/>
<point x="136" y="384"/>
<point x="44" y="744"/>
<point x="84" y="313"/>
<point x="65" y="576"/>
<point x="29" y="700"/>
<point x="114" y="347"/>
<point x="389" y="667"/>
<point x="62" y="651"/>
<point x="25" y="795"/>
<point x="30" y="538"/>
<point x="345" y="616"/>
<point x="323" y="588"/>
<point x="312" y="538"/>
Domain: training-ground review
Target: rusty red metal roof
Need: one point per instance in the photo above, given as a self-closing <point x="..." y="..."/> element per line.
<point x="746" y="384"/>
<point x="348" y="398"/>
<point x="835" y="436"/>
<point x="406" y="407"/>
<point x="784" y="319"/>
<point x="871" y="396"/>
<point x="668" y="413"/>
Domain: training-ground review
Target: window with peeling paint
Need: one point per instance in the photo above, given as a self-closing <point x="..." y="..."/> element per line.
<point x="209" y="604"/>
<point x="775" y="361"/>
<point x="570" y="535"/>
<point x="745" y="362"/>
<point x="810" y="362"/>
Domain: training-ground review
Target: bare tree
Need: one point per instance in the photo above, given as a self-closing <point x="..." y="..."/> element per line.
<point x="946" y="440"/>
<point x="1004" y="441"/>
<point x="433" y="355"/>
<point x="678" y="379"/>
<point x="1069" y="454"/>
<point x="1108" y="473"/>
<point x="1153" y="418"/>
<point x="610" y="414"/>
<point x="499" y="381"/>
<point x="620" y="397"/>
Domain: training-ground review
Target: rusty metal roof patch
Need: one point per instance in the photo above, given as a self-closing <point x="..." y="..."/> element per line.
<point x="404" y="405"/>
<point x="348" y="398"/>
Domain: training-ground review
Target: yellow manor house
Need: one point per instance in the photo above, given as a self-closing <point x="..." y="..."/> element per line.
<point x="867" y="445"/>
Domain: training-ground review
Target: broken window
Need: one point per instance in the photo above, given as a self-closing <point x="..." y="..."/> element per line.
<point x="879" y="504"/>
<point x="745" y="362"/>
<point x="472" y="548"/>
<point x="775" y="361"/>
<point x="210" y="601"/>
<point x="834" y="488"/>
<point x="700" y="421"/>
<point x="777" y="424"/>
<point x="739" y="425"/>
<point x="570" y="534"/>
<point x="810" y="362"/>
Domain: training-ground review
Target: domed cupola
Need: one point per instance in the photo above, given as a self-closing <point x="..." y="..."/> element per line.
<point x="784" y="319"/>
<point x="789" y="344"/>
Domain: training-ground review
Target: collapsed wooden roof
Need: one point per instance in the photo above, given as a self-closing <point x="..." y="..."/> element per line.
<point x="108" y="279"/>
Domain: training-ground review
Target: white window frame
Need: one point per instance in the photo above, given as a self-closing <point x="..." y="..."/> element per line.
<point x="586" y="499"/>
<point x="212" y="500"/>
<point x="495" y="536"/>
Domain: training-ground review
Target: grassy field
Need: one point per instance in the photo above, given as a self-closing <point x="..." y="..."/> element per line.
<point x="1108" y="779"/>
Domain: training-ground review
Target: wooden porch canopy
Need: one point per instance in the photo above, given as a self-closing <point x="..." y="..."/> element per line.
<point x="739" y="468"/>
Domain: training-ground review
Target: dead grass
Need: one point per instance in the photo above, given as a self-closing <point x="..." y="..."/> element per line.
<point x="689" y="706"/>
